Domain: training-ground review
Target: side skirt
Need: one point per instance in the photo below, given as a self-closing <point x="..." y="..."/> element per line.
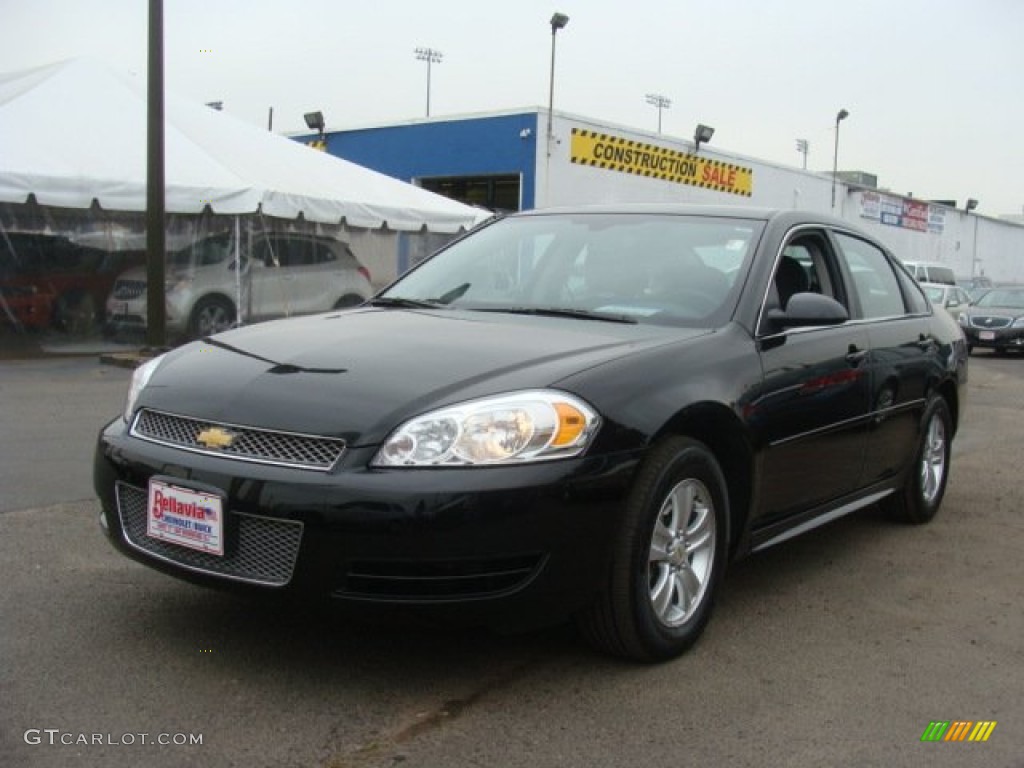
<point x="787" y="529"/>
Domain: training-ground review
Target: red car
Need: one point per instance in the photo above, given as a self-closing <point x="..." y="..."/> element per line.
<point x="48" y="281"/>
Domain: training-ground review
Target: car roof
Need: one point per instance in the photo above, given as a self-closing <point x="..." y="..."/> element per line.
<point x="686" y="209"/>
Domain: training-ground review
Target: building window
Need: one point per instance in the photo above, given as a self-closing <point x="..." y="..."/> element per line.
<point x="496" y="193"/>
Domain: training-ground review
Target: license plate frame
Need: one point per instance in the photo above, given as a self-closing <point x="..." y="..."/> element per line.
<point x="186" y="515"/>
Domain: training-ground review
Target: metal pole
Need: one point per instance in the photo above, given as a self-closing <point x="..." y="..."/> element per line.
<point x="551" y="89"/>
<point x="428" y="87"/>
<point x="156" y="312"/>
<point x="835" y="166"/>
<point x="841" y="115"/>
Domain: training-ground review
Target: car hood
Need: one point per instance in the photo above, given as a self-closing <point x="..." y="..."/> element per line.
<point x="975" y="309"/>
<point x="357" y="374"/>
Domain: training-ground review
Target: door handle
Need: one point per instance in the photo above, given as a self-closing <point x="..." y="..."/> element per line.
<point x="856" y="356"/>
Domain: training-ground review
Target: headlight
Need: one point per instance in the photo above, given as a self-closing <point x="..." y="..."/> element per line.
<point x="509" y="429"/>
<point x="140" y="378"/>
<point x="179" y="282"/>
<point x="1018" y="323"/>
<point x="964" y="319"/>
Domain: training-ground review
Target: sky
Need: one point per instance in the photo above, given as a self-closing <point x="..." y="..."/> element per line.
<point x="934" y="88"/>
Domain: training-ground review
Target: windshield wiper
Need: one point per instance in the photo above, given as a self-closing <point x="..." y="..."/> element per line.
<point x="580" y="314"/>
<point x="400" y="302"/>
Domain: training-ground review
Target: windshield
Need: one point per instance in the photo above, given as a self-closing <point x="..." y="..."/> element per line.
<point x="644" y="268"/>
<point x="1003" y="297"/>
<point x="934" y="294"/>
<point x="211" y="250"/>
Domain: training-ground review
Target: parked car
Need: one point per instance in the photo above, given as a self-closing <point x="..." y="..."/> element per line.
<point x="975" y="286"/>
<point x="47" y="281"/>
<point x="952" y="298"/>
<point x="996" y="320"/>
<point x="285" y="274"/>
<point x="566" y="413"/>
<point x="931" y="272"/>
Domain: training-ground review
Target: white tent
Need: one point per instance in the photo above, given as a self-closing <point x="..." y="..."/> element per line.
<point x="74" y="133"/>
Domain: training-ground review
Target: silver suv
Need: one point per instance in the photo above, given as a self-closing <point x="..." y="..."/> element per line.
<point x="284" y="274"/>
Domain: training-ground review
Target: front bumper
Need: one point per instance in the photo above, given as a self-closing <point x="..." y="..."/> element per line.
<point x="998" y="338"/>
<point x="502" y="546"/>
<point x="131" y="314"/>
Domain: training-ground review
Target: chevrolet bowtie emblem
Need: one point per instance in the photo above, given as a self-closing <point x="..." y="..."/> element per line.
<point x="215" y="437"/>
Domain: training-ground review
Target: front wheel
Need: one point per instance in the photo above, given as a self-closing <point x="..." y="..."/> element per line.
<point x="668" y="558"/>
<point x="922" y="492"/>
<point x="212" y="314"/>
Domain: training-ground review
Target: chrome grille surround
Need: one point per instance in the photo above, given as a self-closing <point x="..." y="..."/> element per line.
<point x="265" y="551"/>
<point x="990" y="322"/>
<point x="262" y="446"/>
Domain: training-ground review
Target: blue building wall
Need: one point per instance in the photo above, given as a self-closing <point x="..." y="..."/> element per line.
<point x="484" y="146"/>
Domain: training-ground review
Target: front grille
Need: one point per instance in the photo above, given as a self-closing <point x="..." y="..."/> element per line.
<point x="264" y="552"/>
<point x="989" y="322"/>
<point x="439" y="580"/>
<point x="247" y="443"/>
<point x="126" y="290"/>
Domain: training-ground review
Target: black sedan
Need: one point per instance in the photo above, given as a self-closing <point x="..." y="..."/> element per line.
<point x="996" y="320"/>
<point x="567" y="413"/>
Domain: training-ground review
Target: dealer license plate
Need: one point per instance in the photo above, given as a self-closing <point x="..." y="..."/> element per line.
<point x="185" y="516"/>
<point x="986" y="335"/>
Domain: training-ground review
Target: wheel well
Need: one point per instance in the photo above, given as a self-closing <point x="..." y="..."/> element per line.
<point x="217" y="295"/>
<point x="948" y="391"/>
<point x="719" y="429"/>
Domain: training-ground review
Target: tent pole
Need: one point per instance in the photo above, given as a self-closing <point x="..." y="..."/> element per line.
<point x="239" y="319"/>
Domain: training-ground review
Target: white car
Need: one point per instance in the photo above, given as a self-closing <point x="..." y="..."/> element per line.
<point x="952" y="298"/>
<point x="285" y="274"/>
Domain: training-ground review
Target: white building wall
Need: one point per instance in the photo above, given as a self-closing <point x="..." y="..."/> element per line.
<point x="970" y="244"/>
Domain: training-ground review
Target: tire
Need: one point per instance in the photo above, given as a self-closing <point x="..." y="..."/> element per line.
<point x="75" y="313"/>
<point x="349" y="300"/>
<point x="668" y="558"/>
<point x="921" y="496"/>
<point x="211" y="314"/>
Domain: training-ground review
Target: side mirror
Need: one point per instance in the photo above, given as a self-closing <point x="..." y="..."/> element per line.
<point x="811" y="309"/>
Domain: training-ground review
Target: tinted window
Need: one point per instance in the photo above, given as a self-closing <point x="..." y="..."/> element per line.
<point x="874" y="279"/>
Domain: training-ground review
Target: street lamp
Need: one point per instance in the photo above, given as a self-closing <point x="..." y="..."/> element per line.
<point x="970" y="205"/>
<point x="701" y="135"/>
<point x="558" y="21"/>
<point x="659" y="101"/>
<point x="431" y="56"/>
<point x="315" y="122"/>
<point x="841" y="115"/>
<point x="803" y="146"/>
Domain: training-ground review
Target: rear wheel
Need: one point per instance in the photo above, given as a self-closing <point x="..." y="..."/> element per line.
<point x="211" y="314"/>
<point x="922" y="492"/>
<point x="349" y="300"/>
<point x="668" y="558"/>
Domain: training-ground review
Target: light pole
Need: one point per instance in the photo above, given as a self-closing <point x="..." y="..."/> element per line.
<point x="431" y="56"/>
<point x="659" y="101"/>
<point x="841" y="115"/>
<point x="558" y="21"/>
<point x="970" y="206"/>
<point x="803" y="146"/>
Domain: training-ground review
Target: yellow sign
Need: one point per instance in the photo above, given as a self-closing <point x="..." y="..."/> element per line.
<point x="616" y="153"/>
